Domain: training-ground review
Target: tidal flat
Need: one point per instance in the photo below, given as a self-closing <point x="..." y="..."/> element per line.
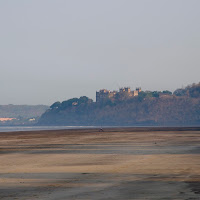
<point x="118" y="163"/>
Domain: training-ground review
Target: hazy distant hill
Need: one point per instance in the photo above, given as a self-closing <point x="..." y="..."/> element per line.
<point x="149" y="108"/>
<point x="22" y="111"/>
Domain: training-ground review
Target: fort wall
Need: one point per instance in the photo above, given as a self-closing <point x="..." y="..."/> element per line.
<point x="105" y="94"/>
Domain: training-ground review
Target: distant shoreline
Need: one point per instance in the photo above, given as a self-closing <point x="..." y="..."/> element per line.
<point x="96" y="128"/>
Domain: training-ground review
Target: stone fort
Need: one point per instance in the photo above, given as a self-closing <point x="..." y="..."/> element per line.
<point x="104" y="94"/>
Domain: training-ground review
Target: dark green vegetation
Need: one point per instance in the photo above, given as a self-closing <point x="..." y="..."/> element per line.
<point x="23" y="114"/>
<point x="182" y="108"/>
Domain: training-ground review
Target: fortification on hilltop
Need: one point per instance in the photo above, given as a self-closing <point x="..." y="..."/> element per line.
<point x="104" y="94"/>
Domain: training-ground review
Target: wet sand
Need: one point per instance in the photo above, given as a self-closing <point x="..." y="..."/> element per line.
<point x="121" y="163"/>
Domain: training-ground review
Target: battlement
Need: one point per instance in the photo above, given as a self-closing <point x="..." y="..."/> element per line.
<point x="105" y="94"/>
<point x="125" y="89"/>
<point x="138" y="89"/>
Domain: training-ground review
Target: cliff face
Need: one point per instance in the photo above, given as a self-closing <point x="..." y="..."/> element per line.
<point x="164" y="110"/>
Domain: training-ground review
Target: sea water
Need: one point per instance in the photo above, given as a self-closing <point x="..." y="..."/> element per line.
<point x="38" y="128"/>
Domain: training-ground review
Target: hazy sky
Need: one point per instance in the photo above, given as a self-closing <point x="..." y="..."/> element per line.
<point x="53" y="50"/>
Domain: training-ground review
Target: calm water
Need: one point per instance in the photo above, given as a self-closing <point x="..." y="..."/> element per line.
<point x="37" y="128"/>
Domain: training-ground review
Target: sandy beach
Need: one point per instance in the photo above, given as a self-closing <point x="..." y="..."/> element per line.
<point x="120" y="163"/>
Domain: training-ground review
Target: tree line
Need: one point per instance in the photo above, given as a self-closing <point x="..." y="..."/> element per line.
<point x="148" y="108"/>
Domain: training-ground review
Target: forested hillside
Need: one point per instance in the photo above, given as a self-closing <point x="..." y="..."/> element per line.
<point x="148" y="108"/>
